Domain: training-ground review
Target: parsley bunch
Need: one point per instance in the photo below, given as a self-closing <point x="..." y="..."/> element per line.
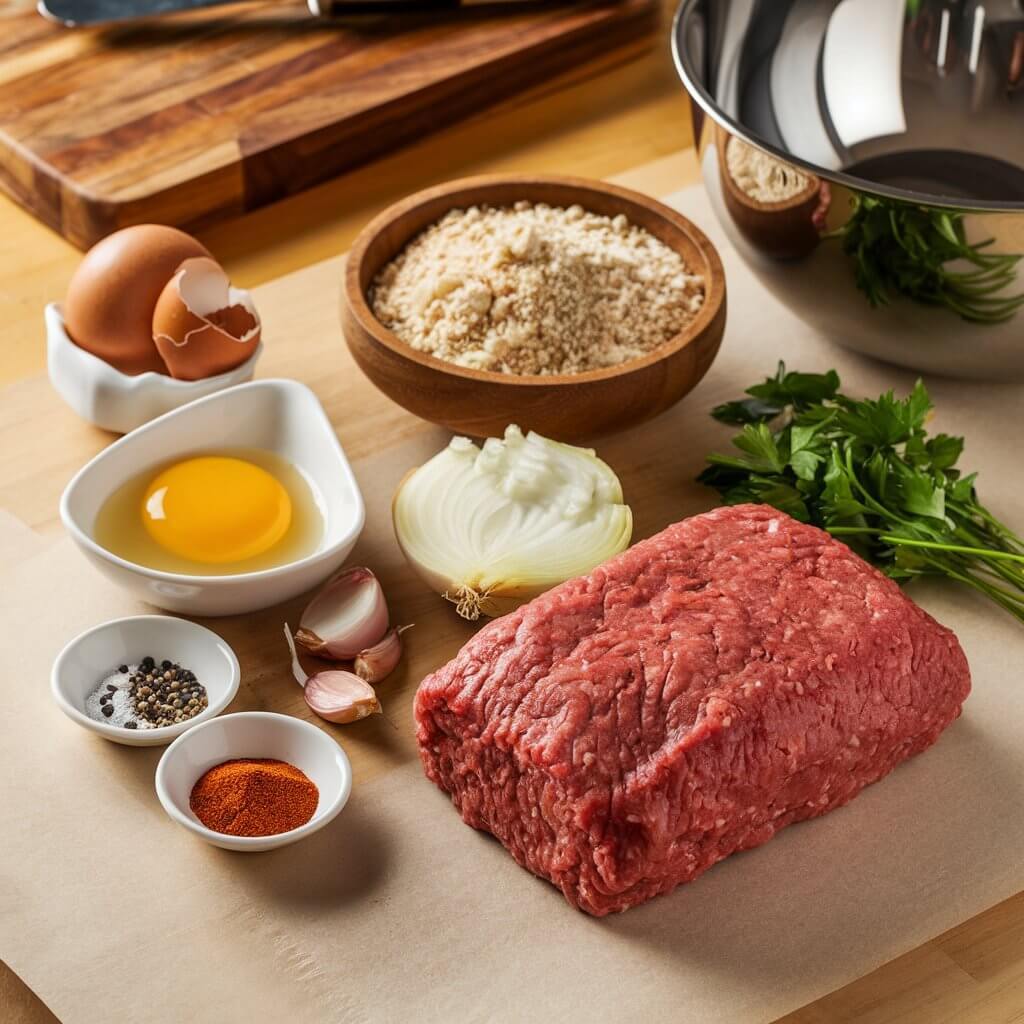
<point x="868" y="472"/>
<point x="911" y="249"/>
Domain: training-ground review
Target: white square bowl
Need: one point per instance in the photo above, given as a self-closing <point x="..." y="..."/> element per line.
<point x="253" y="734"/>
<point x="281" y="416"/>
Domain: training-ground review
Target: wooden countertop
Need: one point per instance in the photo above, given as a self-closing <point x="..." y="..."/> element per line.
<point x="623" y="120"/>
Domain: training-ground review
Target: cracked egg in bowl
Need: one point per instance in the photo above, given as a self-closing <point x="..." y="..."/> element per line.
<point x="236" y="502"/>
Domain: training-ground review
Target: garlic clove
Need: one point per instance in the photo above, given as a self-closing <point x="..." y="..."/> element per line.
<point x="347" y="616"/>
<point x="379" y="661"/>
<point x="340" y="696"/>
<point x="334" y="695"/>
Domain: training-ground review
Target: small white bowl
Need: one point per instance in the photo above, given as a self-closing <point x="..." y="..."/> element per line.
<point x="253" y="734"/>
<point x="97" y="652"/>
<point x="114" y="400"/>
<point x="281" y="416"/>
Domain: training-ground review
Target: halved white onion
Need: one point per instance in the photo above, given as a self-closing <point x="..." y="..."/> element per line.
<point x="489" y="528"/>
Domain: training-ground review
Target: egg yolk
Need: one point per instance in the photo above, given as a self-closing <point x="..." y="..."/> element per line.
<point x="216" y="509"/>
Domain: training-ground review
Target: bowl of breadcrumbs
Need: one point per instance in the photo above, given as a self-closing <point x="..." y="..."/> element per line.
<point x="571" y="307"/>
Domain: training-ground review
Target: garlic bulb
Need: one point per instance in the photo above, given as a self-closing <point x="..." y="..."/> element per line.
<point x="492" y="527"/>
<point x="348" y="615"/>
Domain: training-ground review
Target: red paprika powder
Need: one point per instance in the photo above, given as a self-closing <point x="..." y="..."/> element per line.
<point x="254" y="797"/>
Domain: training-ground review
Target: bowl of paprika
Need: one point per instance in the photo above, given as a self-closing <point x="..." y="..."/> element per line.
<point x="253" y="781"/>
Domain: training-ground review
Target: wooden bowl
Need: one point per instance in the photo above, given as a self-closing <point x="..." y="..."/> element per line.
<point x="784" y="229"/>
<point x="482" y="403"/>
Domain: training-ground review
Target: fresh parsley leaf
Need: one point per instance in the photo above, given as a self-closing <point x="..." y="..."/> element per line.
<point x="745" y="410"/>
<point x="917" y="406"/>
<point x="944" y="451"/>
<point x="963" y="489"/>
<point x="915" y="450"/>
<point x="758" y="442"/>
<point x="866" y="470"/>
<point x="796" y="389"/>
<point x="884" y="421"/>
<point x="805" y="464"/>
<point x="806" y="452"/>
<point x="922" y="497"/>
<point x="804" y="438"/>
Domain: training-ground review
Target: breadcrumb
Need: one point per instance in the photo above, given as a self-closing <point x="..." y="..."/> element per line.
<point x="536" y="289"/>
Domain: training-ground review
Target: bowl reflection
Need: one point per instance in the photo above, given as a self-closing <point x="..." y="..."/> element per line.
<point x="866" y="158"/>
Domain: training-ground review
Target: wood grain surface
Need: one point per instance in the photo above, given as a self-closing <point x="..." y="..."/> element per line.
<point x="191" y="119"/>
<point x="567" y="407"/>
<point x="598" y="119"/>
<point x="583" y="122"/>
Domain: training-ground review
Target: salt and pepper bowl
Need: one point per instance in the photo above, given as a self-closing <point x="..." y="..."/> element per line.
<point x="96" y="653"/>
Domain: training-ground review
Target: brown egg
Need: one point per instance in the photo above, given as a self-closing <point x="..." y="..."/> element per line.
<point x="112" y="295"/>
<point x="201" y="325"/>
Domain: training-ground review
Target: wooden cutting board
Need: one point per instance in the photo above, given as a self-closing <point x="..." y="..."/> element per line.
<point x="187" y="119"/>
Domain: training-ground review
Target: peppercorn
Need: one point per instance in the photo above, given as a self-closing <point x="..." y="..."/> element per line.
<point x="157" y="694"/>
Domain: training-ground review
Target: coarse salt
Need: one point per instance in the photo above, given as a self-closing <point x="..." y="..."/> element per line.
<point x="120" y="700"/>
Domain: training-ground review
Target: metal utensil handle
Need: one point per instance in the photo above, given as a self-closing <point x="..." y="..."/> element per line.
<point x="338" y="8"/>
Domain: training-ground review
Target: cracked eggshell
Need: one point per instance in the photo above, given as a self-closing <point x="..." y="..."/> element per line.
<point x="201" y="325"/>
<point x="112" y="294"/>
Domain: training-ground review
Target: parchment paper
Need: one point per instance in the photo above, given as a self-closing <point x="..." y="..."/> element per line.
<point x="112" y="913"/>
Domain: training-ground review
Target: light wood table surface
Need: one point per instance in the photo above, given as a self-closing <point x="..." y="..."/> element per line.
<point x="626" y="121"/>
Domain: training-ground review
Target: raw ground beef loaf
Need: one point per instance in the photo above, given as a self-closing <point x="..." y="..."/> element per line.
<point x="738" y="672"/>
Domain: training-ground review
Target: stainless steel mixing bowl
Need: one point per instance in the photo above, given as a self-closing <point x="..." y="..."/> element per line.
<point x="867" y="160"/>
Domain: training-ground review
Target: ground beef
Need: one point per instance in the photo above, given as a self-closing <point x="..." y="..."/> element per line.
<point x="735" y="673"/>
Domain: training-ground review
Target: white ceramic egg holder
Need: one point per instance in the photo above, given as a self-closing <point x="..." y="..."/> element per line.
<point x="117" y="401"/>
